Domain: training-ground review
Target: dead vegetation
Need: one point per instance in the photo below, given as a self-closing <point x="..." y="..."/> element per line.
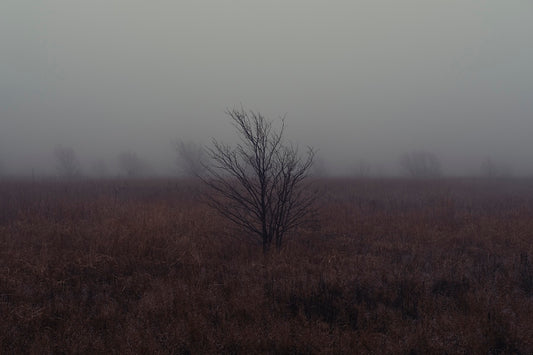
<point x="397" y="266"/>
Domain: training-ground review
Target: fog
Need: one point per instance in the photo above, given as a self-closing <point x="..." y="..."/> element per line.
<point x="358" y="80"/>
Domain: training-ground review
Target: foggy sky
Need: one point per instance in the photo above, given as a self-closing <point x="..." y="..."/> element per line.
<point x="357" y="79"/>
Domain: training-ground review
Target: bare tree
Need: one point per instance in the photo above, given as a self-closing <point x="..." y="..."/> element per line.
<point x="258" y="184"/>
<point x="67" y="163"/>
<point x="421" y="164"/>
<point x="190" y="158"/>
<point x="131" y="164"/>
<point x="363" y="169"/>
<point x="492" y="169"/>
<point x="489" y="169"/>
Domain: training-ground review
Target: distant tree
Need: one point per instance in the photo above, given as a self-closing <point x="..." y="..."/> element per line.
<point x="363" y="168"/>
<point x="421" y="164"/>
<point x="190" y="158"/>
<point x="67" y="163"/>
<point x="130" y="164"/>
<point x="257" y="184"/>
<point x="491" y="169"/>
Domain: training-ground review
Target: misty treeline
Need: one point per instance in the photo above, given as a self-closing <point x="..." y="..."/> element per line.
<point x="128" y="163"/>
<point x="190" y="160"/>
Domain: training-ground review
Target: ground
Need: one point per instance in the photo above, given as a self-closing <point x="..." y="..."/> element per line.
<point x="389" y="266"/>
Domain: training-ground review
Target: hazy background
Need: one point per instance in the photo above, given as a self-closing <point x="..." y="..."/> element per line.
<point x="357" y="79"/>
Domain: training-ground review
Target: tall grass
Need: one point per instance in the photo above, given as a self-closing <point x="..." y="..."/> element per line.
<point x="393" y="266"/>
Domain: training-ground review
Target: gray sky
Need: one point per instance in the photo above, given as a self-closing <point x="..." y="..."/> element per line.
<point x="357" y="79"/>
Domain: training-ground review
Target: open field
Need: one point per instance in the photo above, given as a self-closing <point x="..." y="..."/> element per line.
<point x="392" y="266"/>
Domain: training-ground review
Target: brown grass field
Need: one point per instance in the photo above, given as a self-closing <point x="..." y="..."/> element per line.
<point x="392" y="266"/>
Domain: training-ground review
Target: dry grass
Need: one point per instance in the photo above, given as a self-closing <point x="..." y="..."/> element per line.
<point x="142" y="267"/>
